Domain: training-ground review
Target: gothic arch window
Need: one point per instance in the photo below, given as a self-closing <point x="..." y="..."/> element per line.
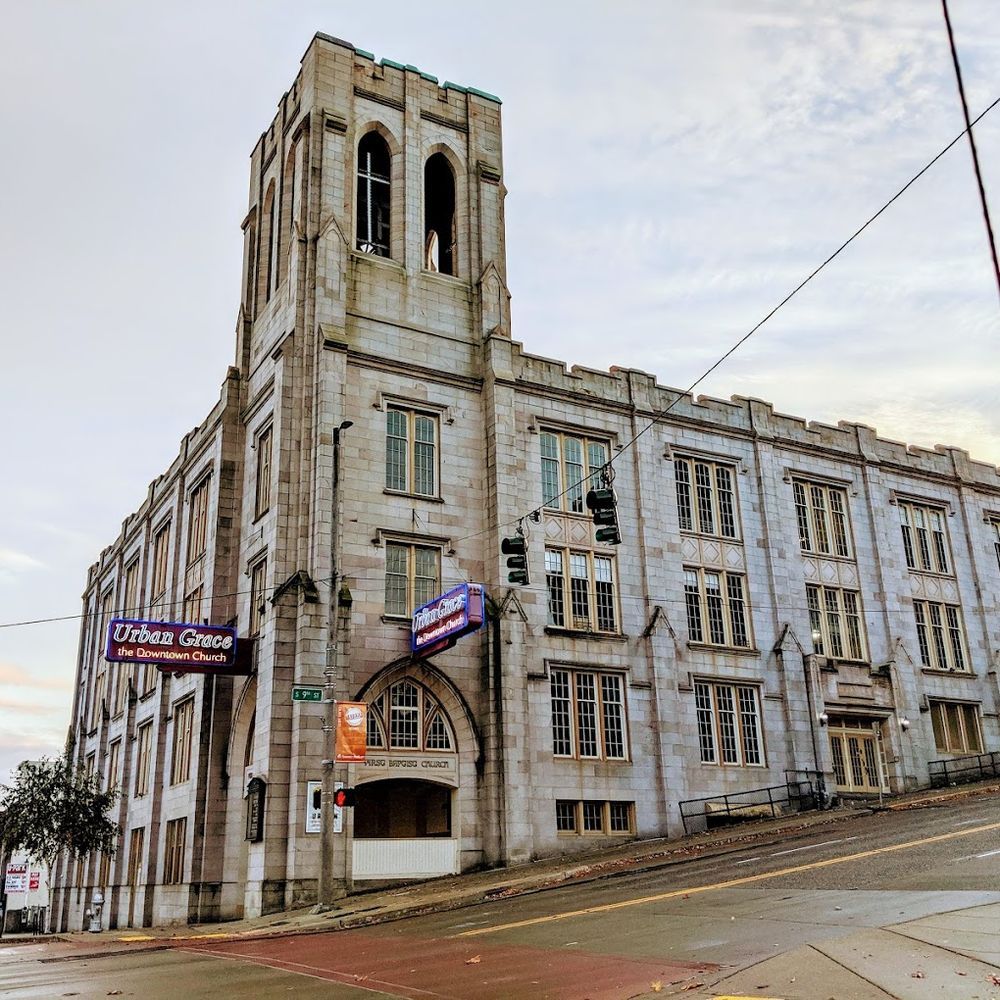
<point x="266" y="247"/>
<point x="287" y="220"/>
<point x="439" y="215"/>
<point x="406" y="716"/>
<point x="248" y="748"/>
<point x="373" y="195"/>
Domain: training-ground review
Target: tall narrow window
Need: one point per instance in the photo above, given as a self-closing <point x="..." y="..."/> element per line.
<point x="262" y="494"/>
<point x="180" y="761"/>
<point x="173" y="851"/>
<point x="373" y="195"/>
<point x="143" y="757"/>
<point x="198" y="523"/>
<point x="258" y="577"/>
<point x="135" y="845"/>
<point x="114" y="764"/>
<point x="161" y="546"/>
<point x="439" y="215"/>
<point x="265" y="270"/>
<point x="130" y="593"/>
<point x="287" y="220"/>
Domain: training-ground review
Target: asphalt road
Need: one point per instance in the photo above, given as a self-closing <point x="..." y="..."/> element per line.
<point x="900" y="904"/>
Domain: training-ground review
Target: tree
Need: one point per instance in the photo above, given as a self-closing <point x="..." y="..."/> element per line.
<point x="49" y="808"/>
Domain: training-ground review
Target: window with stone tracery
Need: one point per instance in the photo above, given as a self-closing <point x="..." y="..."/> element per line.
<point x="373" y="195"/>
<point x="408" y="717"/>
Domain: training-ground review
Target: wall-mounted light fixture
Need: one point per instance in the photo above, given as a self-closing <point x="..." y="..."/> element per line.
<point x="904" y="723"/>
<point x="822" y="718"/>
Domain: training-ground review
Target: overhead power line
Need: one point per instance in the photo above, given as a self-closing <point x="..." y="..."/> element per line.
<point x="687" y="392"/>
<point x="739" y="343"/>
<point x="972" y="144"/>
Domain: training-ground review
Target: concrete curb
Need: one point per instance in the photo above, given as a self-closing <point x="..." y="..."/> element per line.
<point x="510" y="883"/>
<point x="461" y="901"/>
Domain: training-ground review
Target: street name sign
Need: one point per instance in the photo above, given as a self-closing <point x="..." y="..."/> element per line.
<point x="300" y="693"/>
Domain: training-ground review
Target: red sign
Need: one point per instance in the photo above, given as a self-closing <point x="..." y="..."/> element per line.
<point x="173" y="646"/>
<point x="352" y="732"/>
<point x="34" y="881"/>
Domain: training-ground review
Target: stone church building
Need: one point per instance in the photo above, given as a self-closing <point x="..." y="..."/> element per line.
<point x="789" y="600"/>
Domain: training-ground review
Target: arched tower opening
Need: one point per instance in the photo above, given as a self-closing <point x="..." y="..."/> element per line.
<point x="439" y="215"/>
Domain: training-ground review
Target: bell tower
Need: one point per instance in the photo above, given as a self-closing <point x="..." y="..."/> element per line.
<point x="376" y="216"/>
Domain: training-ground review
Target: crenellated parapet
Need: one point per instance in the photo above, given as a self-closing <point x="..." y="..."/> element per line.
<point x="741" y="416"/>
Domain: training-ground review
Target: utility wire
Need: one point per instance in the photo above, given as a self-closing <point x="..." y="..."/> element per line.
<point x="972" y="143"/>
<point x="377" y="581"/>
<point x="739" y="343"/>
<point x="687" y="392"/>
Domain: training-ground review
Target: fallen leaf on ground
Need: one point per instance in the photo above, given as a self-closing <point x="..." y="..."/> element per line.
<point x="656" y="987"/>
<point x="475" y="960"/>
<point x="994" y="980"/>
<point x="957" y="973"/>
<point x="917" y="975"/>
<point x="691" y="986"/>
<point x="113" y="993"/>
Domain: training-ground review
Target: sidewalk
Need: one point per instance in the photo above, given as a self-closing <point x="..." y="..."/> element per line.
<point x="454" y="892"/>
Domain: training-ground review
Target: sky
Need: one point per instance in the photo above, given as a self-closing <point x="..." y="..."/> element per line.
<point x="674" y="170"/>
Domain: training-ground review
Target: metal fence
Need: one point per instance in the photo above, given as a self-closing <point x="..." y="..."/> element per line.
<point x="955" y="770"/>
<point x="796" y="795"/>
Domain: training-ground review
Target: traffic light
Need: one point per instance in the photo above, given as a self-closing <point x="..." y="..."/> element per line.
<point x="343" y="797"/>
<point x="604" y="504"/>
<point x="515" y="549"/>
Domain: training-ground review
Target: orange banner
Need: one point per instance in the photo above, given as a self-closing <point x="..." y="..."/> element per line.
<point x="352" y="731"/>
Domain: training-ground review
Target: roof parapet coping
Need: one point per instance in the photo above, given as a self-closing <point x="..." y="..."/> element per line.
<point x="858" y="441"/>
<point x="402" y="67"/>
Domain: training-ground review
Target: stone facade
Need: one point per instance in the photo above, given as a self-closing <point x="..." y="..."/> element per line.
<point x="378" y="436"/>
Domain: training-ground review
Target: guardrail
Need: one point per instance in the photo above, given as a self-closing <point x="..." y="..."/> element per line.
<point x="956" y="770"/>
<point x="796" y="795"/>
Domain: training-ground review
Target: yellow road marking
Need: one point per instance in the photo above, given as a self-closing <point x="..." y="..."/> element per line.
<point x="745" y="880"/>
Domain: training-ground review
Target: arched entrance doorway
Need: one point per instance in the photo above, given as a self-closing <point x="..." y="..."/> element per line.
<point x="400" y="808"/>
<point x="407" y="790"/>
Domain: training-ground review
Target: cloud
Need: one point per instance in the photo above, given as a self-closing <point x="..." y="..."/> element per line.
<point x="36" y="709"/>
<point x="12" y="674"/>
<point x="13" y="561"/>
